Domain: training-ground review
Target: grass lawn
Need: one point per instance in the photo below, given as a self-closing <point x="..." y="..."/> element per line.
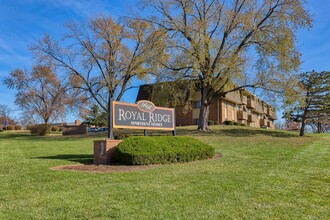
<point x="262" y="174"/>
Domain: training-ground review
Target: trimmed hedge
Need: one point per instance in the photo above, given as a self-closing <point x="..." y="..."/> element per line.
<point x="121" y="136"/>
<point x="10" y="127"/>
<point x="18" y="127"/>
<point x="40" y="129"/>
<point x="55" y="128"/>
<point x="162" y="149"/>
<point x="229" y="122"/>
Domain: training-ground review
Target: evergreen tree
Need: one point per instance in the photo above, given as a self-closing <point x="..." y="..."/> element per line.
<point x="96" y="117"/>
<point x="313" y="102"/>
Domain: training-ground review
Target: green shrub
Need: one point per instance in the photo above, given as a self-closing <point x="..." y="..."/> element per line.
<point x="162" y="149"/>
<point x="237" y="123"/>
<point x="18" y="127"/>
<point x="55" y="128"/>
<point x="243" y="124"/>
<point x="10" y="127"/>
<point x="40" y="129"/>
<point x="29" y="127"/>
<point x="120" y="136"/>
<point x="229" y="122"/>
<point x="210" y="122"/>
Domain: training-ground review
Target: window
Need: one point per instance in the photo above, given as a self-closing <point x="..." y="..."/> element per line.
<point x="197" y="104"/>
<point x="239" y="107"/>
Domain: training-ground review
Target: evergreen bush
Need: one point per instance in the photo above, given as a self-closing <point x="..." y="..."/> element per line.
<point x="229" y="122"/>
<point x="162" y="149"/>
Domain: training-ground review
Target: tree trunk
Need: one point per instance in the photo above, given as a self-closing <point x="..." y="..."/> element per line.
<point x="203" y="118"/>
<point x="204" y="111"/>
<point x="302" y="129"/>
<point x="319" y="127"/>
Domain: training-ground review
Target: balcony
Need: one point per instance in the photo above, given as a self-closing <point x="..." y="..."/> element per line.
<point x="251" y="118"/>
<point x="263" y="123"/>
<point x="265" y="109"/>
<point x="244" y="100"/>
<point x="242" y="115"/>
<point x="258" y="108"/>
<point x="233" y="97"/>
<point x="272" y="114"/>
<point x="251" y="103"/>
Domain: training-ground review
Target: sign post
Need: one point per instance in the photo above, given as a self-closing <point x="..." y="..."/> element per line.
<point x="110" y="119"/>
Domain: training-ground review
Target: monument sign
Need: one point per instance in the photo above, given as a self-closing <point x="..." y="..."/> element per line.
<point x="143" y="115"/>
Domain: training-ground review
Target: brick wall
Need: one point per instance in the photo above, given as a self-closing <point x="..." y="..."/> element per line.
<point x="74" y="129"/>
<point x="213" y="115"/>
<point x="104" y="151"/>
<point x="183" y="119"/>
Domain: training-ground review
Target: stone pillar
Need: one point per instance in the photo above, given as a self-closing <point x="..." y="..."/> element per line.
<point x="104" y="151"/>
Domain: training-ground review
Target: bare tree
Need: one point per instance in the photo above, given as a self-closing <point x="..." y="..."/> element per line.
<point x="39" y="93"/>
<point x="228" y="45"/>
<point x="5" y="110"/>
<point x="6" y="116"/>
<point x="103" y="56"/>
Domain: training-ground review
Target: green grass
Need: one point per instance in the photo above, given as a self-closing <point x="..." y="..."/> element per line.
<point x="262" y="174"/>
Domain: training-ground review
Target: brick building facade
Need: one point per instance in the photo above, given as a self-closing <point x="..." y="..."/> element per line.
<point x="239" y="106"/>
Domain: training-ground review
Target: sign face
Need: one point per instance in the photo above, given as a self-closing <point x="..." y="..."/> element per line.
<point x="143" y="115"/>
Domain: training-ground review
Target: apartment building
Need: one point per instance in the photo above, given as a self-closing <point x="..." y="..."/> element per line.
<point x="239" y="106"/>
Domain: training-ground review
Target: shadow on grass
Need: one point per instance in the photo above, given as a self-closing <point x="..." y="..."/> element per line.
<point x="247" y="133"/>
<point x="233" y="131"/>
<point x="79" y="158"/>
<point x="242" y="132"/>
<point x="5" y="135"/>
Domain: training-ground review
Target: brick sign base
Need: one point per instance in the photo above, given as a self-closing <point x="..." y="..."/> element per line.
<point x="104" y="151"/>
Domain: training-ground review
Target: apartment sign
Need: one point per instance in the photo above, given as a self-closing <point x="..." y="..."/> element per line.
<point x="142" y="115"/>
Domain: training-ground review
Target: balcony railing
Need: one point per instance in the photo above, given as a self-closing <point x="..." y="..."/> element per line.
<point x="242" y="115"/>
<point x="251" y="103"/>
<point x="234" y="97"/>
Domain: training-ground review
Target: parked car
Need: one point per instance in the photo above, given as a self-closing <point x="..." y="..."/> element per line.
<point x="92" y="129"/>
<point x="103" y="129"/>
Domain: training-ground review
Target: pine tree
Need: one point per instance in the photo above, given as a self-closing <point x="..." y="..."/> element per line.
<point x="314" y="103"/>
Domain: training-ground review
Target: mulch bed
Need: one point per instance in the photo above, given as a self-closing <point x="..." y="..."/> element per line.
<point x="114" y="168"/>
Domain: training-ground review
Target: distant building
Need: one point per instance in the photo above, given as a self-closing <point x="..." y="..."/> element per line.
<point x="292" y="126"/>
<point x="239" y="106"/>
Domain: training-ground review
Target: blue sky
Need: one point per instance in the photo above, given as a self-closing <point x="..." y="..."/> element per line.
<point x="24" y="21"/>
